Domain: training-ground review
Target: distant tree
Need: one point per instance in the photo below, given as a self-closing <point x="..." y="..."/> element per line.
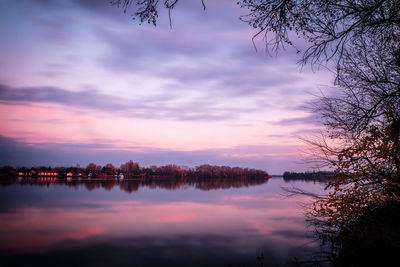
<point x="171" y="170"/>
<point x="8" y="171"/>
<point x="93" y="169"/>
<point x="109" y="169"/>
<point x="130" y="168"/>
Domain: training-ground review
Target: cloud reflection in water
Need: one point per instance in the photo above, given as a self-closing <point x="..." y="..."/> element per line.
<point x="206" y="226"/>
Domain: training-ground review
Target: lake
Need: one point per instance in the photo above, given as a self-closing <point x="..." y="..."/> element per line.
<point x="153" y="223"/>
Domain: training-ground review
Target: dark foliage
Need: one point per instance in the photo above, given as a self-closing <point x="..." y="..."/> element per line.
<point x="320" y="176"/>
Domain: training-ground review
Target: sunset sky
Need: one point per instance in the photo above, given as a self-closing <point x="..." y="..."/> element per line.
<point x="80" y="82"/>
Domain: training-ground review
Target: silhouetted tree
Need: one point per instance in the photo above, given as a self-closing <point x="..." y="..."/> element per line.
<point x="8" y="171"/>
<point x="130" y="168"/>
<point x="363" y="127"/>
<point x="328" y="26"/>
<point x="361" y="141"/>
<point x="93" y="169"/>
<point x="109" y="169"/>
<point x="147" y="10"/>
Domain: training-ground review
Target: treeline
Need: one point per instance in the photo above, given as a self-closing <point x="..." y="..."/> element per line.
<point x="320" y="176"/>
<point x="132" y="170"/>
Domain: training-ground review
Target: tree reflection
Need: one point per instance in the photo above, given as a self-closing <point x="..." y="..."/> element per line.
<point x="108" y="184"/>
<point x="129" y="186"/>
<point x="133" y="185"/>
<point x="92" y="185"/>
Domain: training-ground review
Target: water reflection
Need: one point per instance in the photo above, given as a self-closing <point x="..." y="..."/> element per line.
<point x="133" y="185"/>
<point x="180" y="226"/>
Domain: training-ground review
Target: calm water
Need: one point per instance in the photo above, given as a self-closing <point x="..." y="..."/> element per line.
<point x="102" y="223"/>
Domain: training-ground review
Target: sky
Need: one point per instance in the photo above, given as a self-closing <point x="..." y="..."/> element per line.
<point x="81" y="82"/>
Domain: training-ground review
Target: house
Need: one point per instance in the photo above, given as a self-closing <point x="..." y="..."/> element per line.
<point x="119" y="176"/>
<point x="53" y="173"/>
<point x="27" y="173"/>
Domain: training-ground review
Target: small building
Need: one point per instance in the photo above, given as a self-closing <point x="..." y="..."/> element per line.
<point x="119" y="176"/>
<point x="27" y="173"/>
<point x="52" y="173"/>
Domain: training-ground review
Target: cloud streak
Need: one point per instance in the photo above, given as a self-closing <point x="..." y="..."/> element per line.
<point x="148" y="107"/>
<point x="311" y="119"/>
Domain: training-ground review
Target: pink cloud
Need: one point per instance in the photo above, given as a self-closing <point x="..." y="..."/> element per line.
<point x="178" y="218"/>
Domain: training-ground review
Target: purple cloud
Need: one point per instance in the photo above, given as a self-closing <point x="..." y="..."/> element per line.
<point x="192" y="60"/>
<point x="148" y="107"/>
<point x="312" y="119"/>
